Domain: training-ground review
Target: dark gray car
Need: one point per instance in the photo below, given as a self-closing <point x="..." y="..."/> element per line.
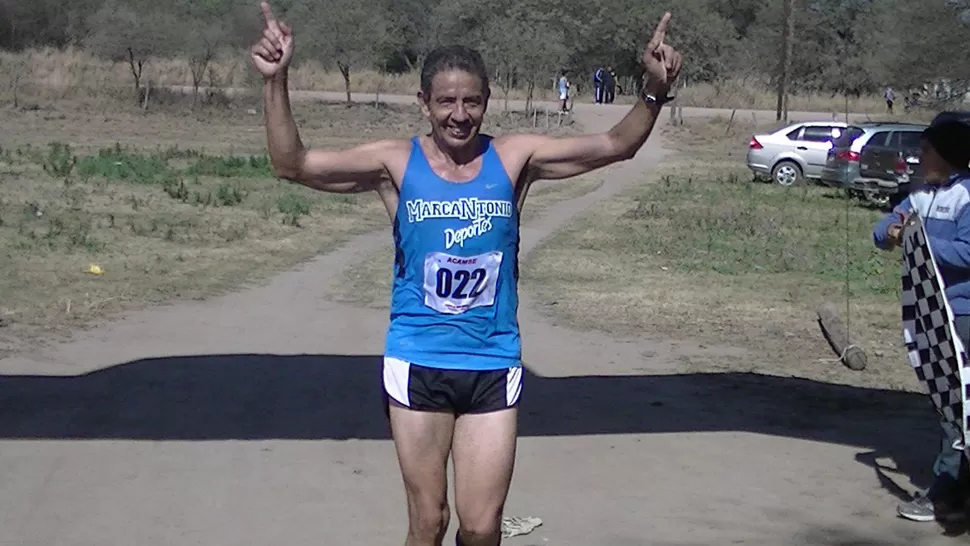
<point x="875" y="160"/>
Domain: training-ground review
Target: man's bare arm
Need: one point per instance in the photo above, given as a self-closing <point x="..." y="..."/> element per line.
<point x="556" y="158"/>
<point x="345" y="171"/>
<point x="355" y="170"/>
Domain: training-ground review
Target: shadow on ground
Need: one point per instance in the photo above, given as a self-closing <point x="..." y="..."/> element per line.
<point x="260" y="396"/>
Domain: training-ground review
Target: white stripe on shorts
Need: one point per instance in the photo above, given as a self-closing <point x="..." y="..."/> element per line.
<point x="513" y="385"/>
<point x="397" y="374"/>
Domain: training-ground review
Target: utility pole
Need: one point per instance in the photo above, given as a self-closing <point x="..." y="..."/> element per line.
<point x="785" y="65"/>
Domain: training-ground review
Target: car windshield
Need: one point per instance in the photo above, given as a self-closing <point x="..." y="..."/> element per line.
<point x="847" y="137"/>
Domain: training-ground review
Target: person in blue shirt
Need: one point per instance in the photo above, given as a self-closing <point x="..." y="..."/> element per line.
<point x="452" y="374"/>
<point x="562" y="85"/>
<point x="598" y="86"/>
<point x="944" y="206"/>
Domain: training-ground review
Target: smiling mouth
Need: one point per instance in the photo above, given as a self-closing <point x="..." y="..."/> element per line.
<point x="459" y="132"/>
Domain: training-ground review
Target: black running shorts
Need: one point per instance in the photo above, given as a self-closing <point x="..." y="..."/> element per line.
<point x="454" y="391"/>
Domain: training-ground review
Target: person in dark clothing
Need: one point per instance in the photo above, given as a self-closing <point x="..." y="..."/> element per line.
<point x="609" y="85"/>
<point x="598" y="75"/>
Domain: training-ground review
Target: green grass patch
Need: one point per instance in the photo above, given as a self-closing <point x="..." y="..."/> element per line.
<point x="728" y="225"/>
<point x="121" y="163"/>
<point x="162" y="224"/>
<point x="704" y="255"/>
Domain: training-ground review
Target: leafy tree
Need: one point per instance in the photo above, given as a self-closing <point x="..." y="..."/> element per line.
<point x="839" y="46"/>
<point x="934" y="47"/>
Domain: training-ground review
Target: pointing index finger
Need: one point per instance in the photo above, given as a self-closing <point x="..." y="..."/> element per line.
<point x="267" y="13"/>
<point x="660" y="33"/>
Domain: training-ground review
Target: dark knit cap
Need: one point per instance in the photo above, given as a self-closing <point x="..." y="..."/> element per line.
<point x="950" y="139"/>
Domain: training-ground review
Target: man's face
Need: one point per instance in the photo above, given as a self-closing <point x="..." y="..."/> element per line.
<point x="456" y="107"/>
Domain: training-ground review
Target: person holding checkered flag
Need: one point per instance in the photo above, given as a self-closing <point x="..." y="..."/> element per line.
<point x="943" y="206"/>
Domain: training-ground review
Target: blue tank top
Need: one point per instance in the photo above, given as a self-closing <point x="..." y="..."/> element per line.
<point x="454" y="301"/>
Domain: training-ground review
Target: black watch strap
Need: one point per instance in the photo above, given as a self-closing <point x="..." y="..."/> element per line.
<point x="650" y="98"/>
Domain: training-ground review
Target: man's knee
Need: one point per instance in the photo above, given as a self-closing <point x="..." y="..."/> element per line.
<point x="429" y="519"/>
<point x="480" y="525"/>
<point x="480" y="532"/>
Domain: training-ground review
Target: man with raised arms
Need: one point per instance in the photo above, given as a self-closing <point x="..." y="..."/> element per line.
<point x="452" y="366"/>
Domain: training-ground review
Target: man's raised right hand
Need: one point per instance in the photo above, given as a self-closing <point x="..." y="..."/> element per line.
<point x="273" y="51"/>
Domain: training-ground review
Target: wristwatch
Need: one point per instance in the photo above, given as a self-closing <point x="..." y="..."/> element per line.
<point x="650" y="98"/>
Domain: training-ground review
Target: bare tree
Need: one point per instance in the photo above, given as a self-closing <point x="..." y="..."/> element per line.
<point x="122" y="34"/>
<point x="541" y="52"/>
<point x="348" y="34"/>
<point x="499" y="50"/>
<point x="523" y="41"/>
<point x="212" y="27"/>
<point x="201" y="47"/>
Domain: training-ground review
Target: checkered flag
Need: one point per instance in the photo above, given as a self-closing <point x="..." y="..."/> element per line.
<point x="935" y="350"/>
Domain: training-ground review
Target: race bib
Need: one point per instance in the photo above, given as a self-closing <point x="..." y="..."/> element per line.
<point x="455" y="284"/>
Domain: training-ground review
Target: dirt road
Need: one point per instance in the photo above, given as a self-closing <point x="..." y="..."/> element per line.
<point x="255" y="419"/>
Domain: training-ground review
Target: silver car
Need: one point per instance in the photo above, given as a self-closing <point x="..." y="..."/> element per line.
<point x="795" y="153"/>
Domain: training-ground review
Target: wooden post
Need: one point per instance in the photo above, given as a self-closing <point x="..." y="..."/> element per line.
<point x="730" y="124"/>
<point x="834" y="330"/>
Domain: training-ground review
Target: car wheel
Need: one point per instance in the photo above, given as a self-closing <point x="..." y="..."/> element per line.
<point x="787" y="173"/>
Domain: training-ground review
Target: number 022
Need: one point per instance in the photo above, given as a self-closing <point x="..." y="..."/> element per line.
<point x="446" y="280"/>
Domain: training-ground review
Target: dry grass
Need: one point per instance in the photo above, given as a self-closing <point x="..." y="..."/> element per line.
<point x="753" y="96"/>
<point x="53" y="74"/>
<point x="169" y="205"/>
<point x="704" y="253"/>
<point x="716" y="138"/>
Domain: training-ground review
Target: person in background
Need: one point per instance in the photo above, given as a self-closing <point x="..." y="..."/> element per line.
<point x="910" y="101"/>
<point x="598" y="85"/>
<point x="890" y="97"/>
<point x="943" y="203"/>
<point x="609" y="85"/>
<point x="563" y="92"/>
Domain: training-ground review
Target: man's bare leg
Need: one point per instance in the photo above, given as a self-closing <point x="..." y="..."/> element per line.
<point x="423" y="440"/>
<point x="484" y="456"/>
